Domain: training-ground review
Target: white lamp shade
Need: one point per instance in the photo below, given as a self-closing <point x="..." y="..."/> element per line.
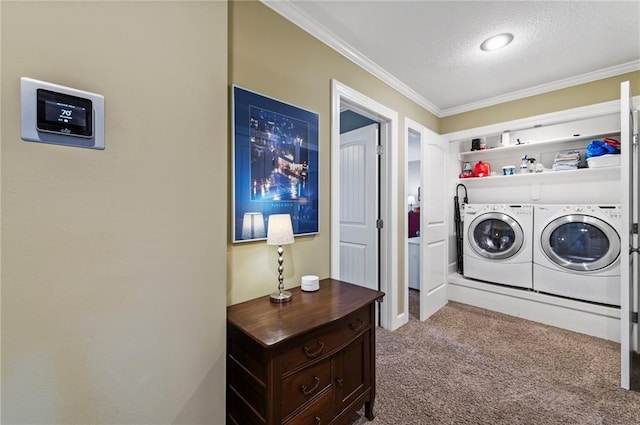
<point x="411" y="200"/>
<point x="253" y="226"/>
<point x="279" y="230"/>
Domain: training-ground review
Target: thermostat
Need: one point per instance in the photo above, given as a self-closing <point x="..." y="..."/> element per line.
<point x="61" y="115"/>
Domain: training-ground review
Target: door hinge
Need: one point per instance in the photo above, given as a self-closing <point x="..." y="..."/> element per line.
<point x="379" y="150"/>
<point x="634" y="228"/>
<point x="379" y="223"/>
<point x="634" y="317"/>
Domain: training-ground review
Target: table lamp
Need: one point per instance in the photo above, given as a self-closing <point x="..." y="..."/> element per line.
<point x="280" y="232"/>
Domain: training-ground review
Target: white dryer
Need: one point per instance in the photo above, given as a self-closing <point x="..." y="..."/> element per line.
<point x="497" y="244"/>
<point x="577" y="251"/>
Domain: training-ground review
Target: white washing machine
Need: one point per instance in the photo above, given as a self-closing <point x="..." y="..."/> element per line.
<point x="577" y="251"/>
<point x="497" y="244"/>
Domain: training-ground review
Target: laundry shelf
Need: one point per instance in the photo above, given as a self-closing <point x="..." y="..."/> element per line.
<point x="582" y="174"/>
<point x="518" y="150"/>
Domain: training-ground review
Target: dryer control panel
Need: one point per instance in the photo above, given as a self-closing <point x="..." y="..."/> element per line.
<point x="613" y="211"/>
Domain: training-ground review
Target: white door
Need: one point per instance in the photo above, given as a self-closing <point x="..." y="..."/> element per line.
<point x="359" y="207"/>
<point x="433" y="228"/>
<point x="629" y="239"/>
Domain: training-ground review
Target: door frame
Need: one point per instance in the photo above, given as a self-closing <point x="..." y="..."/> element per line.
<point x="388" y="240"/>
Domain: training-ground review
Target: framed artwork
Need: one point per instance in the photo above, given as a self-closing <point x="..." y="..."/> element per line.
<point x="274" y="166"/>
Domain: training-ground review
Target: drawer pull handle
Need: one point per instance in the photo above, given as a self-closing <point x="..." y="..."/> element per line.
<point x="318" y="421"/>
<point x="357" y="326"/>
<point x="311" y="354"/>
<point x="340" y="382"/>
<point x="306" y="391"/>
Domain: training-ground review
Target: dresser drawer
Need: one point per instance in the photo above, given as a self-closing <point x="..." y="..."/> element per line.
<point x="304" y="385"/>
<point x="318" y="413"/>
<point x="326" y="339"/>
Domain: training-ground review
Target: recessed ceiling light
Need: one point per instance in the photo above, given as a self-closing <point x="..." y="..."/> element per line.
<point x="497" y="41"/>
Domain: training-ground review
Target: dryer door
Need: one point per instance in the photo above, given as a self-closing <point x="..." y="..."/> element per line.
<point x="580" y="242"/>
<point x="495" y="236"/>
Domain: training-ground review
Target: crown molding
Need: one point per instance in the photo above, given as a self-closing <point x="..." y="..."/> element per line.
<point x="545" y="88"/>
<point x="291" y="12"/>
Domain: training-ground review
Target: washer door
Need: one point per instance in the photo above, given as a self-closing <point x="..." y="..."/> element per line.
<point x="495" y="236"/>
<point x="580" y="242"/>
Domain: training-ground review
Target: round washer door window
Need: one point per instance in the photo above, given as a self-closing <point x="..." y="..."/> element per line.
<point x="495" y="236"/>
<point x="581" y="243"/>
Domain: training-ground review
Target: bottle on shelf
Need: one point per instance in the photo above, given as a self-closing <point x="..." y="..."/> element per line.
<point x="524" y="166"/>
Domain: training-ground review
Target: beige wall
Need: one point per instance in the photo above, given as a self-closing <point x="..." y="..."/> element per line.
<point x="270" y="55"/>
<point x="573" y="97"/>
<point x="113" y="262"/>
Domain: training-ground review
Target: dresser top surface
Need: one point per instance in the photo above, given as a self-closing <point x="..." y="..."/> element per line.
<point x="270" y="323"/>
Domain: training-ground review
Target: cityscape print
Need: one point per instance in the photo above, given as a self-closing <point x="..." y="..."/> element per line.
<point x="275" y="165"/>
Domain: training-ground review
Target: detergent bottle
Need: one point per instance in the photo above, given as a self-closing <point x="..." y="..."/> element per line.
<point x="482" y="169"/>
<point x="524" y="167"/>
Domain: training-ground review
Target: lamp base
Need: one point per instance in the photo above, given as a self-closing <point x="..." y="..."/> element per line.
<point x="281" y="297"/>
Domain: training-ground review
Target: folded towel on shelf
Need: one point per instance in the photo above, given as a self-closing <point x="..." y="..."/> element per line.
<point x="564" y="167"/>
<point x="567" y="160"/>
<point x="568" y="156"/>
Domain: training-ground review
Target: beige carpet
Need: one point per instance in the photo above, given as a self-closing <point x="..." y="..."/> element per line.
<point x="466" y="365"/>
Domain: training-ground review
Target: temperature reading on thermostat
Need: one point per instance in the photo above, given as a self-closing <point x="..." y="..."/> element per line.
<point x="64" y="113"/>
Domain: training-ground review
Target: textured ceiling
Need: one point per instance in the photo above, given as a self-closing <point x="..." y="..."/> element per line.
<point x="432" y="47"/>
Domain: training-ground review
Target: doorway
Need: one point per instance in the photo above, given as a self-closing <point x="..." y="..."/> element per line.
<point x="433" y="243"/>
<point x="413" y="177"/>
<point x="344" y="98"/>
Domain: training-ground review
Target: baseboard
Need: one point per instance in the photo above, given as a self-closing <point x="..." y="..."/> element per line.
<point x="591" y="319"/>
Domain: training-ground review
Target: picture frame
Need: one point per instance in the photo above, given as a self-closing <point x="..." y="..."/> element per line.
<point x="274" y="165"/>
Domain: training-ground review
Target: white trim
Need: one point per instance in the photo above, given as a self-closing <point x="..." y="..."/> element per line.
<point x="545" y="88"/>
<point x="586" y="318"/>
<point x="291" y="12"/>
<point x="626" y="238"/>
<point x="582" y="112"/>
<point x="390" y="319"/>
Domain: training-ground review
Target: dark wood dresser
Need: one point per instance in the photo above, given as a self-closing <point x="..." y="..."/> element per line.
<point x="310" y="361"/>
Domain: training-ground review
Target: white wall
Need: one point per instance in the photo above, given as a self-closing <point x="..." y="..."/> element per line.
<point x="113" y="264"/>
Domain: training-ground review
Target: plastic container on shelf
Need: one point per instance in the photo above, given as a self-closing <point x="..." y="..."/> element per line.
<point x="609" y="160"/>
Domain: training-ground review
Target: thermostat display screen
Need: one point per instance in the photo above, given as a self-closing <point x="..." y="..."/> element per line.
<point x="64" y="114"/>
